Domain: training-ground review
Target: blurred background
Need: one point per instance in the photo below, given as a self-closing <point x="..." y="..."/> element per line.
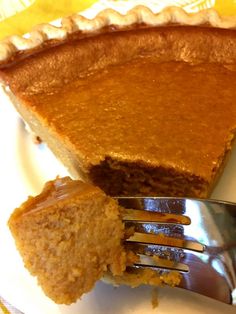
<point x="19" y="16"/>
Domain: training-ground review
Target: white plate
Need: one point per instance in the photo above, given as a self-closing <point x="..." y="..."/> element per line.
<point x="24" y="167"/>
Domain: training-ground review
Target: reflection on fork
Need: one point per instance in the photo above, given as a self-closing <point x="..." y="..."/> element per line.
<point x="194" y="237"/>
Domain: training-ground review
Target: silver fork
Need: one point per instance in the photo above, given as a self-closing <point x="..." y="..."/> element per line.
<point x="199" y="238"/>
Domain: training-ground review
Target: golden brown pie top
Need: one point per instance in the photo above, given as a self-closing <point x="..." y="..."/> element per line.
<point x="168" y="113"/>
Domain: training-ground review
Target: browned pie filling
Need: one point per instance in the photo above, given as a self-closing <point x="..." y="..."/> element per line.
<point x="159" y="113"/>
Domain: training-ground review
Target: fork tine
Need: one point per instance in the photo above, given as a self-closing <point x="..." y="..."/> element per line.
<point x="197" y="275"/>
<point x="150" y="217"/>
<point x="161" y="263"/>
<point x="155" y="204"/>
<point x="155" y="239"/>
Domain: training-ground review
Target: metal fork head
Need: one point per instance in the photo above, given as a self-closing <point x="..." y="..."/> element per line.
<point x="209" y="270"/>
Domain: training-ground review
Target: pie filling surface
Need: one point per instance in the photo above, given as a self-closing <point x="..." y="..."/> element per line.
<point x="168" y="113"/>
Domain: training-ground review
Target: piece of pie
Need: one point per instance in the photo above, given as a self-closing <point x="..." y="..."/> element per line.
<point x="140" y="104"/>
<point x="71" y="235"/>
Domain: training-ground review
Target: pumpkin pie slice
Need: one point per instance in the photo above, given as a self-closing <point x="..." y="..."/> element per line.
<point x="71" y="235"/>
<point x="138" y="104"/>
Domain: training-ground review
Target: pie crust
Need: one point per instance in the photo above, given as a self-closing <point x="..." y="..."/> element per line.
<point x="45" y="35"/>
